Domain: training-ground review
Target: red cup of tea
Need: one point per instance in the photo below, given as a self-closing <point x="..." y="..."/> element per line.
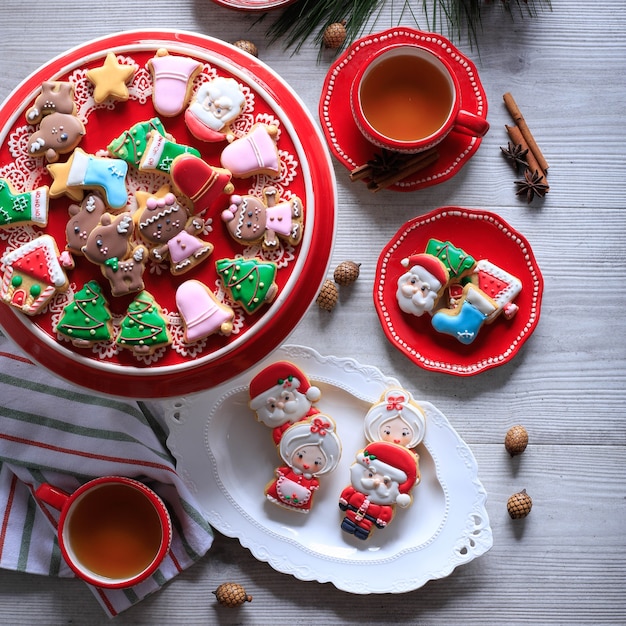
<point x="406" y="98"/>
<point x="113" y="531"/>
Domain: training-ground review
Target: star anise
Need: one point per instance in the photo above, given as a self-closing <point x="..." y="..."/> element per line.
<point x="533" y="185"/>
<point x="516" y="153"/>
<point x="386" y="162"/>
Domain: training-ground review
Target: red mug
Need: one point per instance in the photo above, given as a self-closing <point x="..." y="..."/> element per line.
<point x="114" y="532"/>
<point x="406" y="98"/>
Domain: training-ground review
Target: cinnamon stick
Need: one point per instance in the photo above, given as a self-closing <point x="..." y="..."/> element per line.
<point x="515" y="134"/>
<point x="519" y="120"/>
<point x="415" y="164"/>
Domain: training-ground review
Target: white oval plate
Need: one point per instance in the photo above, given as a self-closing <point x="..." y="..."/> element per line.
<point x="226" y="458"/>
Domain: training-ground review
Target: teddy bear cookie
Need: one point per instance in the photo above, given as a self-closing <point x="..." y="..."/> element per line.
<point x="382" y="476"/>
<point x="32" y="275"/>
<point x="214" y="107"/>
<point x="308" y="449"/>
<point x="267" y="220"/>
<point x="171" y="233"/>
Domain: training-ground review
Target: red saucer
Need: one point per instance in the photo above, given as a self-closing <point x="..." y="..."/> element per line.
<point x="352" y="149"/>
<point x="484" y="235"/>
<point x="253" y="5"/>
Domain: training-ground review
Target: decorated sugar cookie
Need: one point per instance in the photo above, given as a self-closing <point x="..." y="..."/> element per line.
<point x="143" y="329"/>
<point x="309" y="449"/>
<point x="59" y="187"/>
<point x="282" y="395"/>
<point x="253" y="154"/>
<point x="173" y="78"/>
<point x="396" y="418"/>
<point x="110" y="80"/>
<point x="421" y="286"/>
<point x="249" y="281"/>
<point x="55" y="97"/>
<point x="214" y="107"/>
<point x="202" y="313"/>
<point x="83" y="218"/>
<point x="28" y="207"/>
<point x="172" y="234"/>
<point x="32" y="275"/>
<point x="103" y="174"/>
<point x="456" y="261"/>
<point x="108" y="245"/>
<point x="265" y="220"/>
<point x="382" y="476"/>
<point x="159" y="153"/>
<point x="130" y="146"/>
<point x="86" y="319"/>
<point x="58" y="133"/>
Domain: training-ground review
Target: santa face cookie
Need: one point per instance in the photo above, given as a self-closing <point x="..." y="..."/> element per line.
<point x="382" y="477"/>
<point x="281" y="395"/>
<point x="420" y="288"/>
<point x="309" y="449"/>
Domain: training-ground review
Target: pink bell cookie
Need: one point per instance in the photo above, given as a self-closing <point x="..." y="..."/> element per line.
<point x="255" y="153"/>
<point x="213" y="108"/>
<point x="202" y="313"/>
<point x="199" y="181"/>
<point x="173" y="78"/>
<point x="32" y="275"/>
<point x="265" y="220"/>
<point x="172" y="233"/>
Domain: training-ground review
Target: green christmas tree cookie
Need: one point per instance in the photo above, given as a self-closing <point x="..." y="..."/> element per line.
<point x="87" y="319"/>
<point x="249" y="281"/>
<point x="457" y="261"/>
<point x="144" y="328"/>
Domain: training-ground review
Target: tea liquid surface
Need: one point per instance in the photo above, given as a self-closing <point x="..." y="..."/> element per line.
<point x="406" y="98"/>
<point x="115" y="532"/>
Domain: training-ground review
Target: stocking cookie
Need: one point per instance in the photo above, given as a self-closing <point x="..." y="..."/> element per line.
<point x="143" y="329"/>
<point x="173" y="78"/>
<point x="250" y="219"/>
<point x="28" y="207"/>
<point x="169" y="230"/>
<point x="309" y="449"/>
<point x="160" y="152"/>
<point x="130" y="146"/>
<point x="249" y="281"/>
<point x="253" y="154"/>
<point x="108" y="245"/>
<point x="202" y="313"/>
<point x="214" y="107"/>
<point x="32" y="275"/>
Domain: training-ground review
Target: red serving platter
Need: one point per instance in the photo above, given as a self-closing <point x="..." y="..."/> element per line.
<point x="253" y="5"/>
<point x="483" y="235"/>
<point x="306" y="172"/>
<point x="342" y="134"/>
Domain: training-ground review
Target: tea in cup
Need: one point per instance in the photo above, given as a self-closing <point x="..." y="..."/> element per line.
<point x="113" y="532"/>
<point x="406" y="98"/>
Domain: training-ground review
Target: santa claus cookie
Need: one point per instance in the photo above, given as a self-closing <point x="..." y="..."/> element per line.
<point x="214" y="107"/>
<point x="265" y="220"/>
<point x="309" y="449"/>
<point x="282" y="395"/>
<point x="422" y="285"/>
<point x="382" y="476"/>
<point x="397" y="418"/>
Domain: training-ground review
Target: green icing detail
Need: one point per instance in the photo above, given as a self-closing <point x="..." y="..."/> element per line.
<point x="456" y="260"/>
<point x="248" y="280"/>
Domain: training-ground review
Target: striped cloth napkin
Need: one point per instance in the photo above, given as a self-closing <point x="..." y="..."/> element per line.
<point x="52" y="431"/>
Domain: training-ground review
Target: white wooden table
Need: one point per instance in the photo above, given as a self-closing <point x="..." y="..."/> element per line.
<point x="566" y="563"/>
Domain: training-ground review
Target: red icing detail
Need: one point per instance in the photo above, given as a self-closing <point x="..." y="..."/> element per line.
<point x="491" y="285"/>
<point x="19" y="297"/>
<point x="34" y="265"/>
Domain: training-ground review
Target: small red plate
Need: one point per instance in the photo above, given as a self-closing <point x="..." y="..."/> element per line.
<point x="307" y="173"/>
<point x="253" y="5"/>
<point x="483" y="235"/>
<point x="348" y="144"/>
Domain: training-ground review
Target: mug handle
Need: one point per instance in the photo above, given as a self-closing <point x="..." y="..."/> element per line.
<point x="468" y="123"/>
<point x="53" y="496"/>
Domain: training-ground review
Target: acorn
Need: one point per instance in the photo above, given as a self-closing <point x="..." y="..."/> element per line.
<point x="516" y="440"/>
<point x="519" y="504"/>
<point x="346" y="272"/>
<point x="231" y="595"/>
<point x="247" y="46"/>
<point x="334" y="35"/>
<point x="328" y="296"/>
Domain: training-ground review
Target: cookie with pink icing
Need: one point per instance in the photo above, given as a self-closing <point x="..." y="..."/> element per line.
<point x="253" y="154"/>
<point x="201" y="312"/>
<point x="173" y="77"/>
<point x="213" y="108"/>
<point x="266" y="220"/>
<point x="32" y="275"/>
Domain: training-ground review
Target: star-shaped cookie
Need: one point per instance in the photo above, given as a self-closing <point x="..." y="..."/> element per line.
<point x="110" y="79"/>
<point x="59" y="186"/>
